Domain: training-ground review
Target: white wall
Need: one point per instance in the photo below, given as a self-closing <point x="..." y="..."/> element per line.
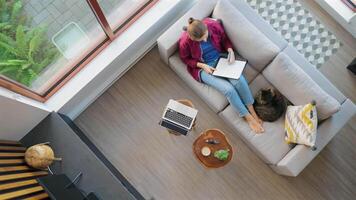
<point x="17" y="118"/>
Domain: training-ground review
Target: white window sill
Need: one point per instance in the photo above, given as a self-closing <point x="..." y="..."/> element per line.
<point x="104" y="59"/>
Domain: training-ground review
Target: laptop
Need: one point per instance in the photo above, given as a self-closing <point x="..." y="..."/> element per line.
<point x="178" y="117"/>
<point x="226" y="70"/>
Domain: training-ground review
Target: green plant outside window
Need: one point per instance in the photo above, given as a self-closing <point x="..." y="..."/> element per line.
<point x="24" y="50"/>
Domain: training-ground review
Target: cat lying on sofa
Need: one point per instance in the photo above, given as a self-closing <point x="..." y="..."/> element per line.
<point x="270" y="104"/>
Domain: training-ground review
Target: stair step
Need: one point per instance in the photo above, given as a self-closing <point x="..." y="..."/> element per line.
<point x="14" y="168"/>
<point x="11" y="161"/>
<point x="12" y="148"/>
<point x="22" y="175"/>
<point x="10" y="154"/>
<point x="17" y="184"/>
<point x="9" y="142"/>
<point x="20" y="193"/>
<point x="38" y="197"/>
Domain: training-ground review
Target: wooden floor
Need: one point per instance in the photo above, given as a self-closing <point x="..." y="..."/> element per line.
<point x="123" y="125"/>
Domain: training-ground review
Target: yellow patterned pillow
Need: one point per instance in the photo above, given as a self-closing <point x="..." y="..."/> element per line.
<point x="301" y="124"/>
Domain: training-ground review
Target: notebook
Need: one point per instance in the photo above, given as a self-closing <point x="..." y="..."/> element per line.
<point x="234" y="70"/>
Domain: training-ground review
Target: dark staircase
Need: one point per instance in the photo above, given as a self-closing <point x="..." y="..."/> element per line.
<point x="17" y="179"/>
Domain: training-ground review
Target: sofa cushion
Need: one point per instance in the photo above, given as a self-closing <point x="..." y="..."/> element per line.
<point x="250" y="73"/>
<point x="258" y="21"/>
<point x="246" y="38"/>
<point x="313" y="72"/>
<point x="259" y="83"/>
<point x="298" y="87"/>
<point x="270" y="145"/>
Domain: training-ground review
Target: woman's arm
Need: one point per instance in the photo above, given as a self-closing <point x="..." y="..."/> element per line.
<point x="185" y="55"/>
<point x="225" y="42"/>
<point x="208" y="69"/>
<point x="231" y="55"/>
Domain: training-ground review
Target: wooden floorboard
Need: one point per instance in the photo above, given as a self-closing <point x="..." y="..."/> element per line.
<point x="14" y="168"/>
<point x="11" y="161"/>
<point x="20" y="193"/>
<point x="9" y="142"/>
<point x="12" y="148"/>
<point x="122" y="123"/>
<point x="38" y="197"/>
<point x="9" y="154"/>
<point x="18" y="184"/>
<point x="22" y="175"/>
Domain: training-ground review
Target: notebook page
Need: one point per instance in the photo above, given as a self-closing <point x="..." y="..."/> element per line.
<point x="224" y="69"/>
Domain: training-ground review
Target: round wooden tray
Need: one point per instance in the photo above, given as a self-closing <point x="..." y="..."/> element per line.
<point x="210" y="161"/>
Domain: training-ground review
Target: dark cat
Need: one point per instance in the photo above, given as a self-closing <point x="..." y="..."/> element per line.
<point x="269" y="104"/>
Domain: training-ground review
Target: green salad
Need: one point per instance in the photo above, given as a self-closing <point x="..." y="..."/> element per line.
<point x="222" y="154"/>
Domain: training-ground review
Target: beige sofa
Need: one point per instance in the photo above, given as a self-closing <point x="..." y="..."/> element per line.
<point x="272" y="63"/>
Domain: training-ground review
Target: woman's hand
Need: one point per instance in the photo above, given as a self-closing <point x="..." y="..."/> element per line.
<point x="208" y="69"/>
<point x="231" y="56"/>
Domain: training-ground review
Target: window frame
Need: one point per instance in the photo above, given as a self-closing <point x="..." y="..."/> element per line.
<point x="111" y="34"/>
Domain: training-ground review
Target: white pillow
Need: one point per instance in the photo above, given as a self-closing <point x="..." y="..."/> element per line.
<point x="301" y="125"/>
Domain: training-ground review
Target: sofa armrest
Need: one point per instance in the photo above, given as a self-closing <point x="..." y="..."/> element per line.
<point x="300" y="156"/>
<point x="168" y="41"/>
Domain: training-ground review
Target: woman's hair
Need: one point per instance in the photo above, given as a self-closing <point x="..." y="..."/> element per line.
<point x="196" y="28"/>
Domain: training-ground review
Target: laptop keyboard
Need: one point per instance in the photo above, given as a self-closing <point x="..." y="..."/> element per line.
<point x="178" y="117"/>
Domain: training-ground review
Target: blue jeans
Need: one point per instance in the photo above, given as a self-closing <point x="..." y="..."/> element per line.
<point x="236" y="91"/>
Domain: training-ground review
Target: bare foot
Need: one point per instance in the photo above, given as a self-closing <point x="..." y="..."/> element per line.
<point x="259" y="120"/>
<point x="254" y="114"/>
<point x="254" y="124"/>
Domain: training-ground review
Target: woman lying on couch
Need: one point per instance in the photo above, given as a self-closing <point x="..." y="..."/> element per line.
<point x="199" y="48"/>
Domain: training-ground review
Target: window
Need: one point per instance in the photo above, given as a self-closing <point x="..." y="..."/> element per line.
<point x="119" y="12"/>
<point x="44" y="43"/>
